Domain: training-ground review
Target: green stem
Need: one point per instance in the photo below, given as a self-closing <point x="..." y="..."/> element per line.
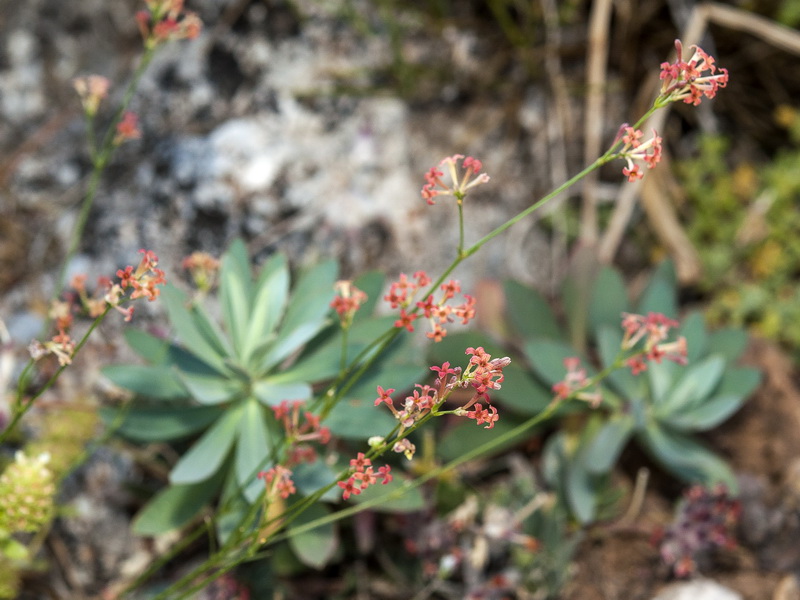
<point x="21" y="407"/>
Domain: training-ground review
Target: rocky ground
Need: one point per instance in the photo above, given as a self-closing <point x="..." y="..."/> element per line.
<point x="305" y="127"/>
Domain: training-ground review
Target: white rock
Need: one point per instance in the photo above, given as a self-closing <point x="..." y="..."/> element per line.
<point x="697" y="589"/>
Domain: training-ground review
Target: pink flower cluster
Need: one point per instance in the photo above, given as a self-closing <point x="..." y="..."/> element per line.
<point x="143" y="280"/>
<point x="634" y="149"/>
<point x="347" y="301"/>
<point x="278" y="481"/>
<point x="459" y="185"/>
<point x="363" y="476"/>
<point x="91" y="90"/>
<point x="165" y="20"/>
<point x="575" y="382"/>
<point x="653" y="330"/>
<point x="691" y="80"/>
<point x="127" y="128"/>
<point x="483" y="373"/>
<point x="439" y="313"/>
<point x="203" y="268"/>
<point x="301" y="427"/>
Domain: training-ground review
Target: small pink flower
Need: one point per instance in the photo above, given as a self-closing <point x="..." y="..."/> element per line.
<point x="127" y="128"/>
<point x="458" y="186"/>
<point x="691" y="80"/>
<point x="634" y="149"/>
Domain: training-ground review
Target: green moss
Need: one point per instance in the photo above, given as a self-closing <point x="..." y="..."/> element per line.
<point x="743" y="220"/>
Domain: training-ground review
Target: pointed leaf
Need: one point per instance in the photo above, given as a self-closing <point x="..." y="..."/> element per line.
<point x="211" y="389"/>
<point x="411" y="500"/>
<point x="187" y="330"/>
<point x="581" y="492"/>
<point x="149" y="347"/>
<point x="735" y="387"/>
<point x="603" y="451"/>
<point x="609" y="342"/>
<point x="608" y="300"/>
<point x="693" y="328"/>
<point x="371" y="284"/>
<point x="309" y="477"/>
<point x="686" y="458"/>
<point x="235" y="282"/>
<point x="271" y="391"/>
<point x="661" y="377"/>
<point x="209" y="452"/>
<point x="547" y="359"/>
<point x="149" y="381"/>
<point x="464" y="436"/>
<point x="311" y="297"/>
<point x="660" y="295"/>
<point x="268" y="305"/>
<point x="696" y="384"/>
<point x="728" y="343"/>
<point x="252" y="449"/>
<point x="359" y="418"/>
<point x="529" y="313"/>
<point x="522" y="393"/>
<point x="161" y="423"/>
<point x="174" y="507"/>
<point x="315" y="547"/>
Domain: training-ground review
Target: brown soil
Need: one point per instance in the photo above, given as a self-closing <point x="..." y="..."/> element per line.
<point x="762" y="443"/>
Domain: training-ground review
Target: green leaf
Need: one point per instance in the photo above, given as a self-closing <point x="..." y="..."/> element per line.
<point x="707" y="415"/>
<point x="175" y="506"/>
<point x="209" y="452"/>
<point x="603" y="451"/>
<point x="452" y="348"/>
<point x="271" y="391"/>
<point x="161" y="423"/>
<point x="466" y="435"/>
<point x="529" y="313"/>
<point x="698" y="381"/>
<point x="693" y="328"/>
<point x="309" y="477"/>
<point x="251" y="450"/>
<point x="547" y="359"/>
<point x="661" y="377"/>
<point x="660" y="295"/>
<point x="371" y="284"/>
<point x="209" y="329"/>
<point x="686" y="458"/>
<point x="609" y="341"/>
<point x="358" y="418"/>
<point x="728" y="343"/>
<point x="307" y="312"/>
<point x="735" y="388"/>
<point x="312" y="295"/>
<point x="150" y="381"/>
<point x="186" y="328"/>
<point x="211" y="389"/>
<point x="268" y="305"/>
<point x="315" y="547"/>
<point x="411" y="500"/>
<point x="521" y="393"/>
<point x="608" y="300"/>
<point x="581" y="486"/>
<point x="235" y="282"/>
<point x="149" y="347"/>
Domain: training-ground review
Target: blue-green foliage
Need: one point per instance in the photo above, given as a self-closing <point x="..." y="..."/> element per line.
<point x="661" y="409"/>
<point x="211" y="390"/>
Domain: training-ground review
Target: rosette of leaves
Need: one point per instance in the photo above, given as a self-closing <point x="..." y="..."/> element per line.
<point x="210" y="392"/>
<point x="662" y="409"/>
